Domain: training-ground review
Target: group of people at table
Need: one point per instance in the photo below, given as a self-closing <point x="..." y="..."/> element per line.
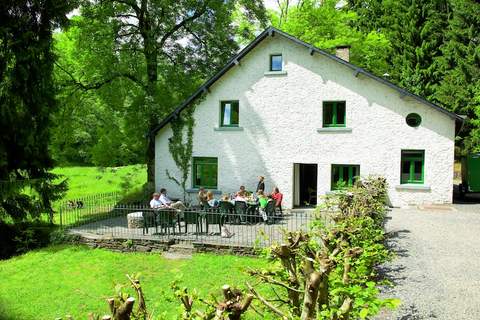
<point x="259" y="198"/>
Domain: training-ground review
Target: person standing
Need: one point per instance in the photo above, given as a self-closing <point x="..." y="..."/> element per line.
<point x="261" y="184"/>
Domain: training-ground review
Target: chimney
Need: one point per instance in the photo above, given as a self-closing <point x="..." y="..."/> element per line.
<point x="343" y="52"/>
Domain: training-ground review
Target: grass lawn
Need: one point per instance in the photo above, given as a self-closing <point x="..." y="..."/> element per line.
<point x="61" y="280"/>
<point x="84" y="181"/>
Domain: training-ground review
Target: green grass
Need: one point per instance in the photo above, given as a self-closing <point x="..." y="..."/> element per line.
<point x="61" y="280"/>
<point x="85" y="181"/>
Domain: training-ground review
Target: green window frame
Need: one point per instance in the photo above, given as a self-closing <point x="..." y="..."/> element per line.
<point x="229" y="113"/>
<point x="276" y="62"/>
<point x="344" y="175"/>
<point x="205" y="172"/>
<point x="412" y="167"/>
<point x="334" y="114"/>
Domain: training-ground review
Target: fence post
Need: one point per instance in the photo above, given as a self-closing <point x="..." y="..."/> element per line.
<point x="60" y="211"/>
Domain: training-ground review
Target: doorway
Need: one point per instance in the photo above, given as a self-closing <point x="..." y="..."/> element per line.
<point x="304" y="184"/>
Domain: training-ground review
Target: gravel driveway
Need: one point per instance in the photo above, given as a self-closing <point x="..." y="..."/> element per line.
<point x="437" y="269"/>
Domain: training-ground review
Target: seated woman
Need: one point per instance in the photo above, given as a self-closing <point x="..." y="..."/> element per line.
<point x="212" y="202"/>
<point x="241" y="194"/>
<point x="278" y="197"/>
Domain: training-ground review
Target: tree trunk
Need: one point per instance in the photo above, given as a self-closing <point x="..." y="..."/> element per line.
<point x="311" y="294"/>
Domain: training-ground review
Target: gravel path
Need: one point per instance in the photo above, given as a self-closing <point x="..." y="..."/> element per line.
<point x="437" y="269"/>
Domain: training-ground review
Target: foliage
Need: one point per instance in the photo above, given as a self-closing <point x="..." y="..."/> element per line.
<point x="326" y="25"/>
<point x="23" y="236"/>
<point x="27" y="98"/>
<point x="181" y="147"/>
<point x="143" y="58"/>
<point x="434" y="52"/>
<point x="328" y="272"/>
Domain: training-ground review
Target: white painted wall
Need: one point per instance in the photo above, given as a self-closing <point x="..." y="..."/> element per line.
<point x="281" y="114"/>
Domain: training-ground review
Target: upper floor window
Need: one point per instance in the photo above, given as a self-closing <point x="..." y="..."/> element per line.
<point x="334" y="113"/>
<point x="412" y="166"/>
<point x="229" y="114"/>
<point x="276" y="62"/>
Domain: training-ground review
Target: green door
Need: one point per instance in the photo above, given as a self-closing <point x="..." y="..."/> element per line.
<point x="473" y="172"/>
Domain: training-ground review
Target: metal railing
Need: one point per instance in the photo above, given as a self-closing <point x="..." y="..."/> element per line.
<point x="232" y="228"/>
<point x="79" y="211"/>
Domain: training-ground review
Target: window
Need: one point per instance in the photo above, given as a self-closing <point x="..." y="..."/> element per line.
<point x="205" y="172"/>
<point x="229" y="114"/>
<point x="344" y="175"/>
<point x="276" y="62"/>
<point x="334" y="114"/>
<point x="413" y="120"/>
<point x="412" y="166"/>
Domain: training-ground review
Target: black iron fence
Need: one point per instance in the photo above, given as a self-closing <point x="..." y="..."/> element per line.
<point x="75" y="212"/>
<point x="232" y="227"/>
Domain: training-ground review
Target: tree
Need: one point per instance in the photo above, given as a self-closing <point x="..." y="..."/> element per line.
<point x="326" y="25"/>
<point x="26" y="100"/>
<point x="459" y="64"/>
<point x="163" y="48"/>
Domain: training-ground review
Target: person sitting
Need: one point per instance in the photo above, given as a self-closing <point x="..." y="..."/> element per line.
<point x="278" y="197"/>
<point x="212" y="202"/>
<point x="178" y="205"/>
<point x="155" y="203"/>
<point x="262" y="201"/>
<point x="202" y="196"/>
<point x="241" y="191"/>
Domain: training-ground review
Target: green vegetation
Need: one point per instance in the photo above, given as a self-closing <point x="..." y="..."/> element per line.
<point x="60" y="280"/>
<point x="85" y="181"/>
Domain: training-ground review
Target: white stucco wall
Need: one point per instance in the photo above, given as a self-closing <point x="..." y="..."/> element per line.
<point x="280" y="116"/>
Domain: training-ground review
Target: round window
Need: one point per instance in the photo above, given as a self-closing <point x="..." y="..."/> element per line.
<point x="414" y="119"/>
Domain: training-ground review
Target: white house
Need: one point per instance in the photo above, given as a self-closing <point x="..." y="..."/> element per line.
<point x="309" y="121"/>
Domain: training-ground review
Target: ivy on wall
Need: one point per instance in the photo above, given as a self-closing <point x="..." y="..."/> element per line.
<point x="180" y="145"/>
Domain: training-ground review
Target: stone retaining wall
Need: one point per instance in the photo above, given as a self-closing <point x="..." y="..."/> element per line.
<point x="147" y="245"/>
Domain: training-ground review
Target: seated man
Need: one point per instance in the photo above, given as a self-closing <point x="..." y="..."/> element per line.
<point x="169" y="203"/>
<point x="155" y="203"/>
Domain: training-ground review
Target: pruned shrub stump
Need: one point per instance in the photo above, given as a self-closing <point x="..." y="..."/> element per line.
<point x="135" y="220"/>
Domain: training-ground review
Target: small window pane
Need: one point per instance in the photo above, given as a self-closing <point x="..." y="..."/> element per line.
<point x="328" y="114"/>
<point x="234" y="114"/>
<point x="340" y="113"/>
<point x="227" y="109"/>
<point x="417" y="171"/>
<point x="275" y="63"/>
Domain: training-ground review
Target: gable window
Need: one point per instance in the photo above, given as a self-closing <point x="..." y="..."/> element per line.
<point x="205" y="171"/>
<point x="229" y="114"/>
<point x="413" y="120"/>
<point x="334" y="114"/>
<point x="412" y="166"/>
<point x="344" y="175"/>
<point x="276" y="62"/>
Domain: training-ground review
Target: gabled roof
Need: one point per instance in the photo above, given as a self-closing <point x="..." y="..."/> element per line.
<point x="271" y="31"/>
